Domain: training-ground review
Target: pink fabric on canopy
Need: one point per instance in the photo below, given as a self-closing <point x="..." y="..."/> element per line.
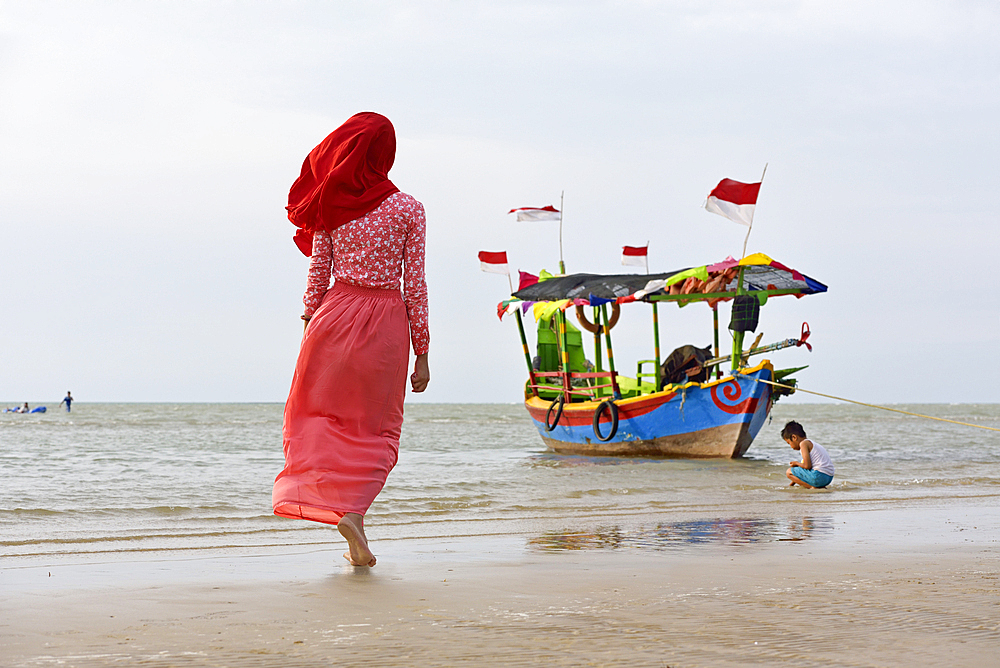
<point x="722" y="266"/>
<point x="345" y="408"/>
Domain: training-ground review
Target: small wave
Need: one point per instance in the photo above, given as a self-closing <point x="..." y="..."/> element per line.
<point x="220" y="508"/>
<point x="27" y="513"/>
<point x="149" y="535"/>
<point x="915" y="482"/>
<point x="162" y="548"/>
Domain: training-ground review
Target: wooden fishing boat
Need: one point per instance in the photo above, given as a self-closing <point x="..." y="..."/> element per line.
<point x="684" y="406"/>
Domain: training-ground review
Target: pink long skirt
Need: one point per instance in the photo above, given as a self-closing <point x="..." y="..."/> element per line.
<point x="345" y="408"/>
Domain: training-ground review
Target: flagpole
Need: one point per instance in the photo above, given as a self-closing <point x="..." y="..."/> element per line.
<point x="750" y="227"/>
<point x="562" y="265"/>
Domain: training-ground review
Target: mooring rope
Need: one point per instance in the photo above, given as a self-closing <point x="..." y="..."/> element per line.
<point x="885" y="408"/>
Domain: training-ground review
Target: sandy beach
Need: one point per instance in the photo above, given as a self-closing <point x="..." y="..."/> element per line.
<point x="872" y="588"/>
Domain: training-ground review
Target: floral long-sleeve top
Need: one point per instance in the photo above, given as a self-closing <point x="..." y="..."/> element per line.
<point x="372" y="252"/>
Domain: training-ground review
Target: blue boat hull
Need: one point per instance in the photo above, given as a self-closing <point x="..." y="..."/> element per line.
<point x="715" y="419"/>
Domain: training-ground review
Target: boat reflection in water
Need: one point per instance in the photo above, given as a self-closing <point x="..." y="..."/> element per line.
<point x="672" y="535"/>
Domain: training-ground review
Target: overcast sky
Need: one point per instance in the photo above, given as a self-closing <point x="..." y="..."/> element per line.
<point x="146" y="151"/>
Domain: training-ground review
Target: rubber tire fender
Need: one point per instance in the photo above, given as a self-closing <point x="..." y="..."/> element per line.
<point x="616" y="311"/>
<point x="613" y="409"/>
<point x="560" y="401"/>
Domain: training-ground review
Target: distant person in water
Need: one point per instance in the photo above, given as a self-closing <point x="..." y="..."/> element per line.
<point x="815" y="471"/>
<point x="68" y="399"/>
<point x="345" y="408"/>
<point x="24" y="408"/>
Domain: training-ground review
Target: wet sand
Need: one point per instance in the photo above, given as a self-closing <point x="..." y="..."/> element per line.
<point x="899" y="588"/>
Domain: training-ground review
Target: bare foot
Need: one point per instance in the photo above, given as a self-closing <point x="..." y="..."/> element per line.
<point x="351" y="527"/>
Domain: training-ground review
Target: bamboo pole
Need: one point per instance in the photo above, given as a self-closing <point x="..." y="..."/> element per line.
<point x="769" y="348"/>
<point x="524" y="341"/>
<point x="656" y="343"/>
<point x="715" y="323"/>
<point x="738" y="336"/>
<point x="565" y="352"/>
<point x="598" y="365"/>
<point x="597" y="340"/>
<point x="527" y="355"/>
<point x="611" y="352"/>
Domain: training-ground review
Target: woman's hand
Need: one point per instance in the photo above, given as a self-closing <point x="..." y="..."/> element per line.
<point x="421" y="374"/>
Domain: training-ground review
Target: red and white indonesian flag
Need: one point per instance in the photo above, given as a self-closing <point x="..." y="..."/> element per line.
<point x="533" y="213"/>
<point x="635" y="256"/>
<point x="734" y="200"/>
<point x="494" y="263"/>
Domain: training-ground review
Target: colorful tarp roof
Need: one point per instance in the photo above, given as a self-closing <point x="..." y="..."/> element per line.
<point x="582" y="286"/>
<point x="760" y="273"/>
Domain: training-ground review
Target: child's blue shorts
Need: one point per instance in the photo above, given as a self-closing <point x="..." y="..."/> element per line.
<point x="811" y="477"/>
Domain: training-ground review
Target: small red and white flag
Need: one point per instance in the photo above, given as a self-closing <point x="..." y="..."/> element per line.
<point x="494" y="263"/>
<point x="533" y="213"/>
<point x="635" y="256"/>
<point x="734" y="200"/>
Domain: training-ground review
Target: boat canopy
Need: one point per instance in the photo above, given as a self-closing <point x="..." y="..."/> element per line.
<point x="606" y="287"/>
<point x="714" y="282"/>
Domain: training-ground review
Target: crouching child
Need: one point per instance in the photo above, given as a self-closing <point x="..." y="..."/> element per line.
<point x="816" y="468"/>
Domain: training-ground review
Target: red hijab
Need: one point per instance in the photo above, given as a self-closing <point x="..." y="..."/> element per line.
<point x="343" y="178"/>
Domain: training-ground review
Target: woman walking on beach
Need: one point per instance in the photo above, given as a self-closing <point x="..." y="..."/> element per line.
<point x="345" y="408"/>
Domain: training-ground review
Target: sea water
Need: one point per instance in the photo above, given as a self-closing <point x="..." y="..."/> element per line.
<point x="112" y="480"/>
